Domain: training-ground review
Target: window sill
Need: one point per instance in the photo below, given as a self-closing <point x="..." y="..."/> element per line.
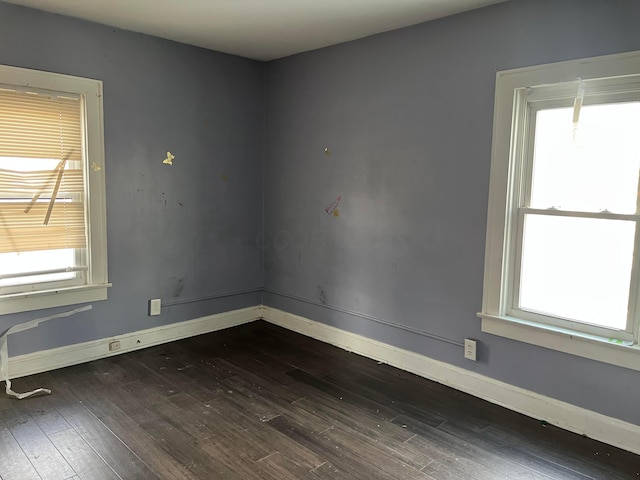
<point x="574" y="343"/>
<point x="24" y="302"/>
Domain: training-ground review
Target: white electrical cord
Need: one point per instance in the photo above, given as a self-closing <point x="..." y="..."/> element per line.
<point x="4" y="352"/>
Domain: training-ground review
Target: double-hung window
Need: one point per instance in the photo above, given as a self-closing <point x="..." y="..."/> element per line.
<point x="562" y="265"/>
<point x="52" y="205"/>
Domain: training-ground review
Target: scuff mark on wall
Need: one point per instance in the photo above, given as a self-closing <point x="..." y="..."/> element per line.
<point x="327" y="152"/>
<point x="177" y="290"/>
<point x="322" y="296"/>
<point x="95" y="167"/>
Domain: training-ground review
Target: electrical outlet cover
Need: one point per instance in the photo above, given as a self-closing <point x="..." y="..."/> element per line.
<point x="470" y="352"/>
<point x="155" y="306"/>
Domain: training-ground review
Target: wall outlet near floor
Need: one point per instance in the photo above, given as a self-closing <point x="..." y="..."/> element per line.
<point x="470" y="349"/>
<point x="155" y="305"/>
<point x="114" y="346"/>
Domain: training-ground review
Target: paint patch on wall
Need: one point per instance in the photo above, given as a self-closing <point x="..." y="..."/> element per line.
<point x="169" y="159"/>
<point x="333" y="207"/>
<point x="95" y="167"/>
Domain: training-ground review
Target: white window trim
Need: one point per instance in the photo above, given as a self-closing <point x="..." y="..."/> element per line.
<point x="494" y="302"/>
<point x="97" y="275"/>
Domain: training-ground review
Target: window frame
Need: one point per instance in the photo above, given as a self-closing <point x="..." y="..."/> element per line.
<point x="37" y="296"/>
<point x="510" y="154"/>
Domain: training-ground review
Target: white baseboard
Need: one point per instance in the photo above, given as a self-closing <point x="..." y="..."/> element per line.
<point x="564" y="415"/>
<point x="52" y="359"/>
<point x="579" y="420"/>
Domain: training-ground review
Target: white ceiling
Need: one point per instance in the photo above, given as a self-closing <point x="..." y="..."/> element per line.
<point x="258" y="29"/>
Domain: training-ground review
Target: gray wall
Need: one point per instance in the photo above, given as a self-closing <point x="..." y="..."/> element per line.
<point x="408" y="118"/>
<point x="178" y="233"/>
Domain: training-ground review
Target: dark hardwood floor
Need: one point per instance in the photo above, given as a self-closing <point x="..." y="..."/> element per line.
<point x="259" y="402"/>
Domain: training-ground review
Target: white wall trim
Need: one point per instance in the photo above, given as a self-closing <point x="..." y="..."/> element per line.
<point x="52" y="359"/>
<point x="564" y="415"/>
<point x="564" y="340"/>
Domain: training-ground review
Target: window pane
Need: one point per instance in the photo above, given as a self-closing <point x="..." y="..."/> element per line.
<point x="577" y="268"/>
<point x="30" y="165"/>
<point x="593" y="168"/>
<point x="42" y="260"/>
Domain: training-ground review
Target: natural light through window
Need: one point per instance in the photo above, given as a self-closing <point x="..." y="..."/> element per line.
<point x="562" y="258"/>
<point x="24" y="267"/>
<point x="577" y="268"/>
<point x="53" y="249"/>
<point x="574" y="267"/>
<point x="593" y="170"/>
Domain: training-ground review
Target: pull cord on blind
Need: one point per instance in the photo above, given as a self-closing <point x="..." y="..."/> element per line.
<point x="42" y="199"/>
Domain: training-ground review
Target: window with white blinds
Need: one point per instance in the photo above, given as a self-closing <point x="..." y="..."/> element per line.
<point x="52" y="216"/>
<point x="41" y="171"/>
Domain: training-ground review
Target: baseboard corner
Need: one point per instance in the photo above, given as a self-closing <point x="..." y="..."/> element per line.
<point x="579" y="420"/>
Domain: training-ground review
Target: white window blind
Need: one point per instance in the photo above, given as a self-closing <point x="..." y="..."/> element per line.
<point x="42" y="185"/>
<point x="53" y="230"/>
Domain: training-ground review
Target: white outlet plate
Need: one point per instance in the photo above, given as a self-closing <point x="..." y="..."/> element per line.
<point x="155" y="306"/>
<point x="470" y="349"/>
<point x="114" y="345"/>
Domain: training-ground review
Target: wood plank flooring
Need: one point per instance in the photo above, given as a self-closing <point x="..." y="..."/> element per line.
<point x="259" y="402"/>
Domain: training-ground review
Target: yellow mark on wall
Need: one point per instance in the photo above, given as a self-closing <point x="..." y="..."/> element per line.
<point x="95" y="167"/>
<point x="169" y="159"/>
<point x="327" y="152"/>
<point x="336" y="213"/>
<point x="224" y="178"/>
